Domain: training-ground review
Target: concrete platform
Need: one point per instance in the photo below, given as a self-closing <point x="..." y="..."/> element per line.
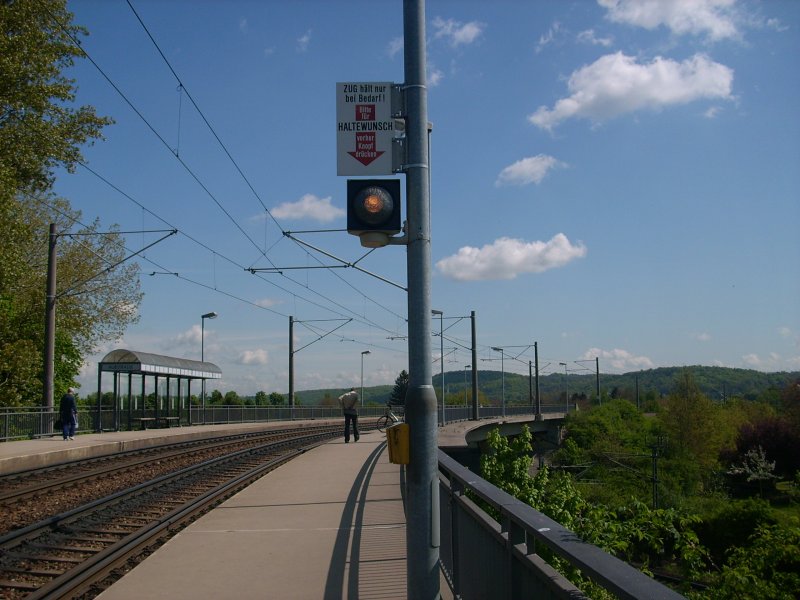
<point x="30" y="454"/>
<point x="328" y="525"/>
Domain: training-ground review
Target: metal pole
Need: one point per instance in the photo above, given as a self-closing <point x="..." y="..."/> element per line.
<point x="503" y="381"/>
<point x="291" y="364"/>
<point x="597" y="371"/>
<point x="538" y="396"/>
<point x="474" y="368"/>
<point x="465" y="384"/>
<point x="530" y="383"/>
<point x="203" y="359"/>
<point x="362" y="374"/>
<point x="422" y="531"/>
<point x="50" y="321"/>
<point x="440" y="314"/>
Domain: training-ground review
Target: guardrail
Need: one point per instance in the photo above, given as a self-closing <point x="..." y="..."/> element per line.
<point x="20" y="423"/>
<point x="486" y="559"/>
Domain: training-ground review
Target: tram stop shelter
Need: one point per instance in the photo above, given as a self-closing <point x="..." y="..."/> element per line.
<point x="162" y="408"/>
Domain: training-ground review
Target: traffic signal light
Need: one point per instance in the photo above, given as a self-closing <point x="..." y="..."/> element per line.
<point x="373" y="210"/>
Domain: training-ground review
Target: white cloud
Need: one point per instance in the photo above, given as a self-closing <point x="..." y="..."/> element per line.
<point x="549" y="36"/>
<point x="309" y="207"/>
<point x="506" y="258"/>
<point x="714" y="18"/>
<point x="528" y="170"/>
<point x="435" y="76"/>
<point x="187" y="338"/>
<point x="267" y="302"/>
<point x="455" y="32"/>
<point x="619" y="360"/>
<point x="616" y="84"/>
<point x="303" y="41"/>
<point x="253" y="357"/>
<point x="589" y="37"/>
<point x="771" y="362"/>
<point x="395" y="46"/>
<point x="701" y="337"/>
<point x="243" y="25"/>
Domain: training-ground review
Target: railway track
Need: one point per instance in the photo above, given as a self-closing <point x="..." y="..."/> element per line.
<point x="30" y="496"/>
<point x="69" y="555"/>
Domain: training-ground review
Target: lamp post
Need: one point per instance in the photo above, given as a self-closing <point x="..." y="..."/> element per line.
<point x="566" y="389"/>
<point x="441" y="351"/>
<point x="210" y="315"/>
<point x="362" y="373"/>
<point x="502" y="379"/>
<point x="465" y="384"/>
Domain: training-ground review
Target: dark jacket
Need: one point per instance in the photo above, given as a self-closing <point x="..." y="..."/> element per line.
<point x="68" y="407"/>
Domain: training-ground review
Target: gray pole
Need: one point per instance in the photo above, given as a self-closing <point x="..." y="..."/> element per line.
<point x="291" y="364"/>
<point x="530" y="383"/>
<point x="538" y="397"/>
<point x="203" y="359"/>
<point x="422" y="531"/>
<point x="50" y="321"/>
<point x="597" y="371"/>
<point x="474" y="368"/>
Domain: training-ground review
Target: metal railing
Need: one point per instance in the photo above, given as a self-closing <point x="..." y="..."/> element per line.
<point x="20" y="423"/>
<point x="484" y="558"/>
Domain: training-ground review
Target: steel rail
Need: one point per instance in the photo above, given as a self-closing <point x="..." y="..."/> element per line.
<point x="86" y="571"/>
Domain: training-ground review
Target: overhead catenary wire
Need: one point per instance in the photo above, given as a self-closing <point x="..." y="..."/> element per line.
<point x="235" y="164"/>
<point x="205" y="188"/>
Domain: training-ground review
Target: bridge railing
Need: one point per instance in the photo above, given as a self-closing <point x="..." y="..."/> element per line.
<point x="484" y="558"/>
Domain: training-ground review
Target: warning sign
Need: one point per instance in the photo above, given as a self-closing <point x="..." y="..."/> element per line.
<point x="364" y="128"/>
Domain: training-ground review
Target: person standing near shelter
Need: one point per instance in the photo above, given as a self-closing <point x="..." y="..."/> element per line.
<point x="349" y="403"/>
<point x="68" y="412"/>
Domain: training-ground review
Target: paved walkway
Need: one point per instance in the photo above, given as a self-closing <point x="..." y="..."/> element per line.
<point x="327" y="525"/>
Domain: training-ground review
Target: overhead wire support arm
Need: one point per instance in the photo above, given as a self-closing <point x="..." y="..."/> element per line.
<point x="68" y="291"/>
<point x="324" y="334"/>
<point x="329" y="255"/>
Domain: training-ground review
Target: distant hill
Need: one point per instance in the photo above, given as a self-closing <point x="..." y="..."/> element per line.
<point x="714" y="382"/>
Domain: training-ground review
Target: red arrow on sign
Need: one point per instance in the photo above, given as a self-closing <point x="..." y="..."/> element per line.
<point x="365" y="148"/>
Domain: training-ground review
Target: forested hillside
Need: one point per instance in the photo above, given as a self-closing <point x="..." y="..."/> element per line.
<point x="715" y="382"/>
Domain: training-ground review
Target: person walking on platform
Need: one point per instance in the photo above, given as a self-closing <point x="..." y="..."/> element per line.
<point x="68" y="412"/>
<point x="349" y="403"/>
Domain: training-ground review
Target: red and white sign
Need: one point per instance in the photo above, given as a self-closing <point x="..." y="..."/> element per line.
<point x="364" y="128"/>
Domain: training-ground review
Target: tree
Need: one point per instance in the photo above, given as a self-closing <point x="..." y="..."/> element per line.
<point x="697" y="432"/>
<point x="232" y="398"/>
<point x="41" y="130"/>
<point x="398" y="395"/>
<point x="261" y="398"/>
<point x="276" y="399"/>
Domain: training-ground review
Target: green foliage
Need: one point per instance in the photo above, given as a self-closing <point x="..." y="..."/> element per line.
<point x="767" y="567"/>
<point x="398" y="395"/>
<point x="732" y="522"/>
<point x="261" y="398"/>
<point x="633" y="532"/>
<point x="40" y="131"/>
<point x="276" y="399"/>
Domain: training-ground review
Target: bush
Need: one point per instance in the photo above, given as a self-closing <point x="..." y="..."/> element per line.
<point x="732" y="524"/>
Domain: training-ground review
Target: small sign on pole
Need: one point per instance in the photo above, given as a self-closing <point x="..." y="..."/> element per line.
<point x="364" y="128"/>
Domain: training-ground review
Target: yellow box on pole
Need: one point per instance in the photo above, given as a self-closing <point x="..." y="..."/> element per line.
<point x="397" y="437"/>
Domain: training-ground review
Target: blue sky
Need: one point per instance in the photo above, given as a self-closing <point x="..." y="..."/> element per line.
<point x="611" y="179"/>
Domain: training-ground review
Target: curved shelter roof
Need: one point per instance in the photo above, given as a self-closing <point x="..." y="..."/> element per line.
<point x="145" y="363"/>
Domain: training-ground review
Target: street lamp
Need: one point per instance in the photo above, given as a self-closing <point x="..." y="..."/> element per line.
<point x="566" y="389"/>
<point x="210" y="315"/>
<point x="362" y="373"/>
<point x="441" y="351"/>
<point x="502" y="378"/>
<point x="465" y="384"/>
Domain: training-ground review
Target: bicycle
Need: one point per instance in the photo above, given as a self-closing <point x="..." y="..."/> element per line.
<point x="388" y="419"/>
